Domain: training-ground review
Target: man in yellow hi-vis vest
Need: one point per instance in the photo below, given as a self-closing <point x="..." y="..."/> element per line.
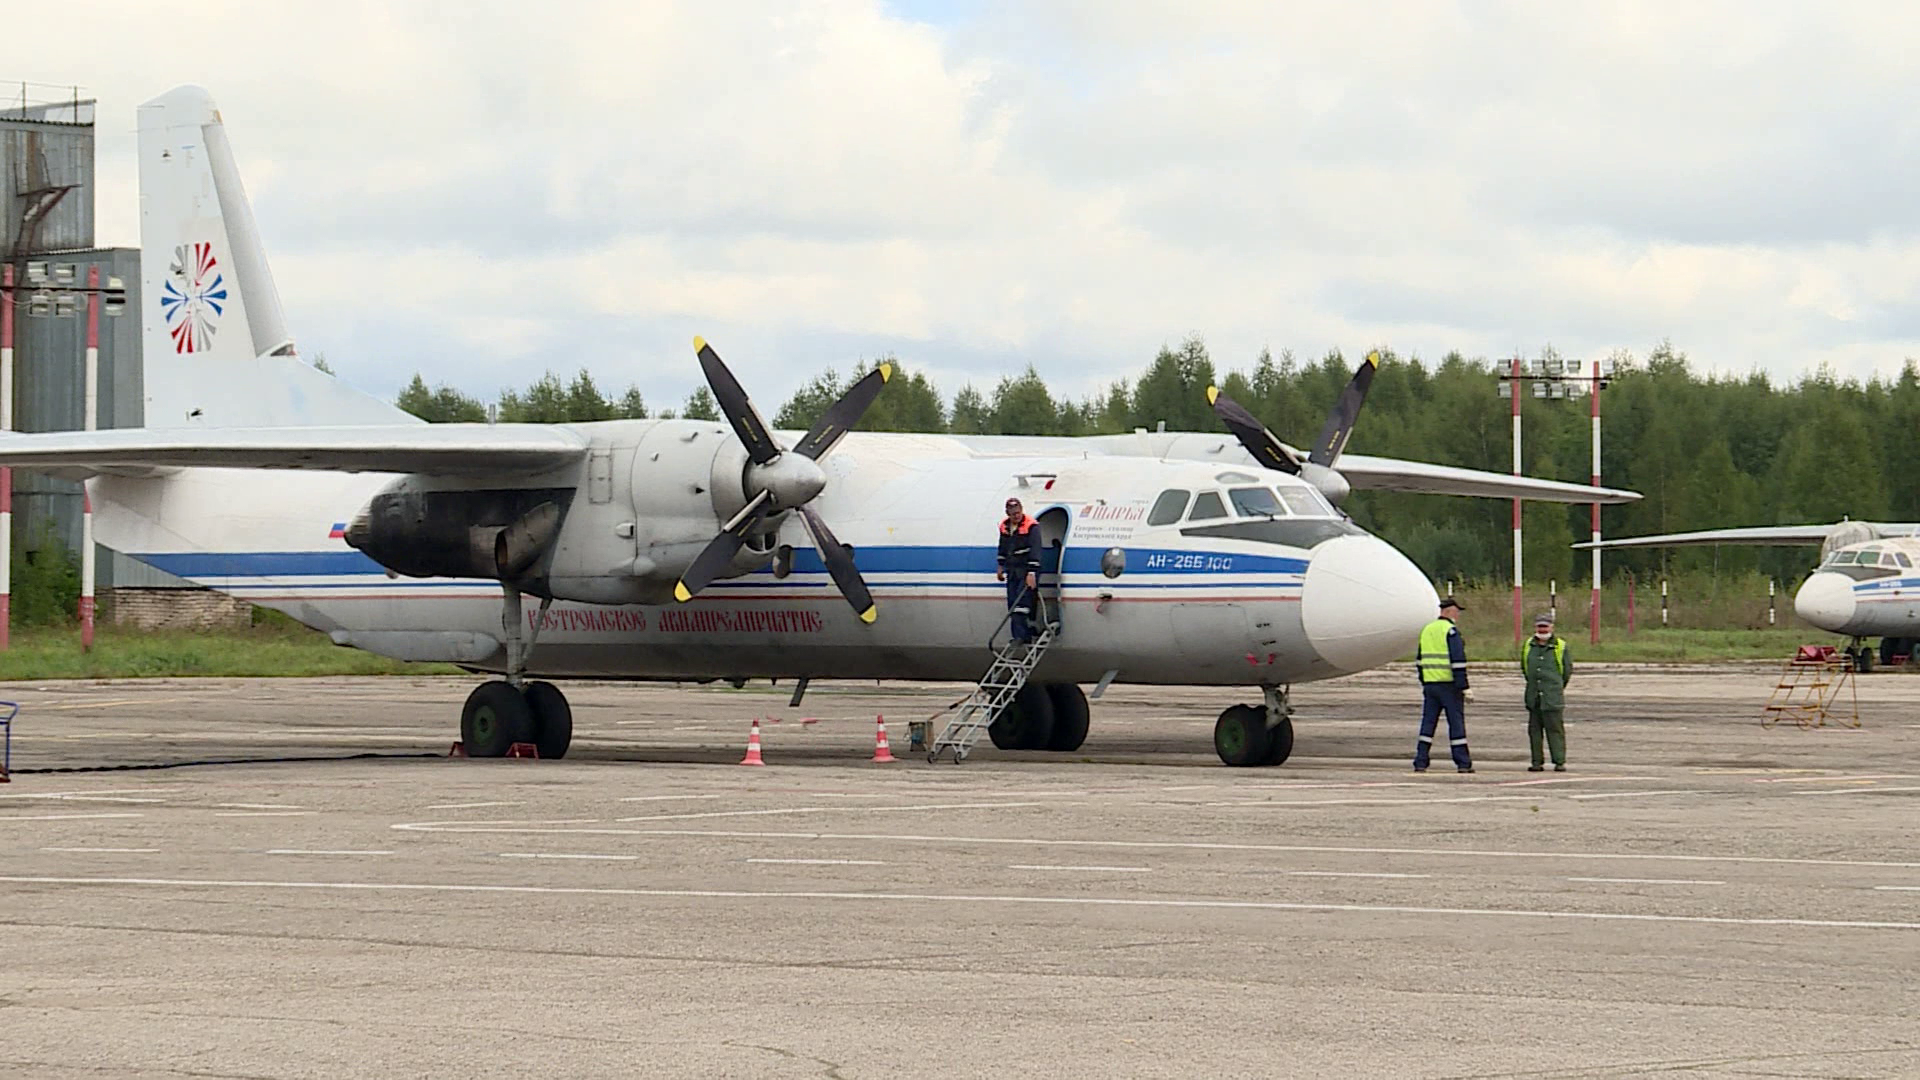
<point x="1442" y="662"/>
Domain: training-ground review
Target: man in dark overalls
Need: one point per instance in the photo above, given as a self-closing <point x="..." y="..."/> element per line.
<point x="1017" y="567"/>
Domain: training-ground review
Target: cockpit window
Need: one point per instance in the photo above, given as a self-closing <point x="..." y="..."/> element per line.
<point x="1207" y="507"/>
<point x="1901" y="557"/>
<point x="1256" y="502"/>
<point x="1168" y="507"/>
<point x="1842" y="558"/>
<point x="1306" y="502"/>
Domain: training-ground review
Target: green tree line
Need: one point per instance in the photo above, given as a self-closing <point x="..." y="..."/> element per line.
<point x="1705" y="451"/>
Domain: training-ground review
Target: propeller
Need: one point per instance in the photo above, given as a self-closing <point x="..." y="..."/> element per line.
<point x="1318" y="468"/>
<point x="784" y="479"/>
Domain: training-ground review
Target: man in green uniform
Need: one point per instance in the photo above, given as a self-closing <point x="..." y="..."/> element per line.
<point x="1545" y="663"/>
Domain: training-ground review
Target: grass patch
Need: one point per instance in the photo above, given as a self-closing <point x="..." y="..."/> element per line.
<point x="272" y="650"/>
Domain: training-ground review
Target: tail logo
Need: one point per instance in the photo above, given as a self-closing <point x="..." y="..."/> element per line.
<point x="193" y="298"/>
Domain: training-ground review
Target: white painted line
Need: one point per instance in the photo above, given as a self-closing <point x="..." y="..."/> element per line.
<point x="1187" y="787"/>
<point x="822" y="862"/>
<point x="1176" y="845"/>
<point x="1898" y="888"/>
<point x="834" y="810"/>
<point x="107" y="850"/>
<point x="321" y="851"/>
<point x="1089" y="869"/>
<point x="1863" y="790"/>
<point x="1833" y="779"/>
<point x="1348" y="873"/>
<point x="1644" y="881"/>
<point x="558" y="855"/>
<point x="1372" y="802"/>
<point x="105" y="798"/>
<point x="661" y="798"/>
<point x="264" y="813"/>
<point x="1636" y="794"/>
<point x="969" y="898"/>
<point x="259" y="806"/>
<point x="469" y="805"/>
<point x="71" y="794"/>
<point x="64" y="817"/>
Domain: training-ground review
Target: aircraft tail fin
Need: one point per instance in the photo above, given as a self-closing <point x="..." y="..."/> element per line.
<point x="216" y="348"/>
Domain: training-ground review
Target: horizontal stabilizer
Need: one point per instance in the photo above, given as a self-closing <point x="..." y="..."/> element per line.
<point x="1395" y="474"/>
<point x="434" y="449"/>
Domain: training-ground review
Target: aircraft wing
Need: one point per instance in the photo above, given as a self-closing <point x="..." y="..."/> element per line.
<point x="1395" y="474"/>
<point x="1776" y="535"/>
<point x="434" y="449"/>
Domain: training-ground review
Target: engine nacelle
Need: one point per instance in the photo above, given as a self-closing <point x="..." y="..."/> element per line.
<point x="1846" y="533"/>
<point x="419" y="531"/>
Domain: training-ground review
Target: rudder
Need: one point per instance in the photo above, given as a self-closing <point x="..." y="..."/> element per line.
<point x="216" y="348"/>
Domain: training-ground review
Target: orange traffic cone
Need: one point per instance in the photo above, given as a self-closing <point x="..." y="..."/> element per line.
<point x="880" y="751"/>
<point x="753" y="746"/>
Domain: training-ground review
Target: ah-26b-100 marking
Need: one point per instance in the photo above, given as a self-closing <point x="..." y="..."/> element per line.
<point x="689" y="549"/>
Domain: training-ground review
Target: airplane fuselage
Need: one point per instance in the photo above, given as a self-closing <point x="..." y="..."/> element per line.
<point x="1279" y="588"/>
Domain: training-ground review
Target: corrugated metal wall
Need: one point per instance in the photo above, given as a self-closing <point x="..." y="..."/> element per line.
<point x="35" y="156"/>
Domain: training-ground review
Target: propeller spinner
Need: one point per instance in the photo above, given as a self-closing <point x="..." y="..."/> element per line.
<point x="1318" y="467"/>
<point x="782" y="480"/>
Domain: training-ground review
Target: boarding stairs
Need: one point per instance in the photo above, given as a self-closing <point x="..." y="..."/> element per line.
<point x="1012" y="664"/>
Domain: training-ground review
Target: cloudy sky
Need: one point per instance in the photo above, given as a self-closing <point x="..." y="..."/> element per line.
<point x="482" y="191"/>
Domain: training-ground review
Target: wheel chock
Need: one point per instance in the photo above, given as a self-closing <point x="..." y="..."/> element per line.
<point x="458" y="749"/>
<point x="524" y="750"/>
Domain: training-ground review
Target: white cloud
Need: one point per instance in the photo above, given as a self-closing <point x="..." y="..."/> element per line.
<point x="485" y="192"/>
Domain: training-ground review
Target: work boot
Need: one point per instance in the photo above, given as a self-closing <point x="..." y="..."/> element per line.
<point x="1559" y="768"/>
<point x="1536" y="768"/>
<point x="1467" y="769"/>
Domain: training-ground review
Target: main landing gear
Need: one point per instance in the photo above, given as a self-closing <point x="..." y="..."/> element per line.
<point x="512" y="710"/>
<point x="1049" y="716"/>
<point x="1247" y="735"/>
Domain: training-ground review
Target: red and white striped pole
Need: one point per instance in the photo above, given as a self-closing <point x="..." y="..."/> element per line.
<point x="1594" y="612"/>
<point x="91" y="397"/>
<point x="6" y="474"/>
<point x="1517" y="599"/>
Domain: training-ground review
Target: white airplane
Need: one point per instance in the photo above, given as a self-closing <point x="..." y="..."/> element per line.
<point x="1867" y="583"/>
<point x="261" y="477"/>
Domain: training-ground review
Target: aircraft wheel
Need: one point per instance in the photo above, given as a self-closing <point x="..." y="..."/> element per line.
<point x="1240" y="736"/>
<point x="1891" y="647"/>
<point x="552" y="719"/>
<point x="1863" y="661"/>
<point x="1027" y="724"/>
<point x="1070" y="717"/>
<point x="495" y="717"/>
<point x="1280" y="741"/>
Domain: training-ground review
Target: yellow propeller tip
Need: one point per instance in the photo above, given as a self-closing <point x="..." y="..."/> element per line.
<point x="1213" y="394"/>
<point x="870" y="614"/>
<point x="886" y="372"/>
<point x="680" y="592"/>
<point x="1374" y="358"/>
<point x="699" y="343"/>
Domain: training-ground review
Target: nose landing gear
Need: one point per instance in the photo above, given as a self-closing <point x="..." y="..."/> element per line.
<point x="1250" y="735"/>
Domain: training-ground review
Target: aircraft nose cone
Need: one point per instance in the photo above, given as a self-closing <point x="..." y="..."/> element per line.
<point x="1363" y="602"/>
<point x="1826" y="600"/>
<point x="792" y="478"/>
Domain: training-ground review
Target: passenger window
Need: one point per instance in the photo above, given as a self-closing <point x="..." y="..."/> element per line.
<point x="1207" y="507"/>
<point x="1301" y="501"/>
<point x="1168" y="507"/>
<point x="1255" y="502"/>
